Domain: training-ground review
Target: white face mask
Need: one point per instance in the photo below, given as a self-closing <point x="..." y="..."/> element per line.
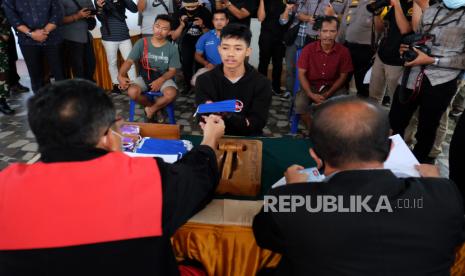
<point x="454" y="4"/>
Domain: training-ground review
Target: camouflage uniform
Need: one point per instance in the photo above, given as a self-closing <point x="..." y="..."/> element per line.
<point x="4" y="31"/>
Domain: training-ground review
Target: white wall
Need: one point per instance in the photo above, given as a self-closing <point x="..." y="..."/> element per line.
<point x="254" y="26"/>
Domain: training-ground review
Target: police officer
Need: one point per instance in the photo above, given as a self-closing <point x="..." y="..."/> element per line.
<point x="4" y="35"/>
<point x="359" y="35"/>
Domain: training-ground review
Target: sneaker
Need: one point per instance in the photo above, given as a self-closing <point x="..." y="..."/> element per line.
<point x="187" y="90"/>
<point x="277" y="92"/>
<point x="282" y="94"/>
<point x="386" y="101"/>
<point x="116" y="89"/>
<point x="285" y="95"/>
<point x="18" y="88"/>
<point x="5" y="108"/>
<point x="455" y="113"/>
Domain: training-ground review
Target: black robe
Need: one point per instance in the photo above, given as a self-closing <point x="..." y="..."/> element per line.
<point x="187" y="186"/>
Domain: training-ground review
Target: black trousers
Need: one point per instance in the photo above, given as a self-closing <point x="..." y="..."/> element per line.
<point x="362" y="56"/>
<point x="79" y="59"/>
<point x="35" y="57"/>
<point x="457" y="156"/>
<point x="271" y="49"/>
<point x="13" y="77"/>
<point x="189" y="65"/>
<point x="432" y="102"/>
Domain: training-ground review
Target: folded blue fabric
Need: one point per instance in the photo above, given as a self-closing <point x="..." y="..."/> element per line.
<point x="159" y="146"/>
<point x="217" y="107"/>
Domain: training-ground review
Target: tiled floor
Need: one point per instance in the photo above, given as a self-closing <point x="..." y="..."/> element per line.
<point x="17" y="144"/>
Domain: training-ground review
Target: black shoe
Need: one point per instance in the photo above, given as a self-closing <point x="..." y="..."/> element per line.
<point x="386" y="101"/>
<point x="5" y="108"/>
<point x="187" y="90"/>
<point x="116" y="89"/>
<point x="18" y="88"/>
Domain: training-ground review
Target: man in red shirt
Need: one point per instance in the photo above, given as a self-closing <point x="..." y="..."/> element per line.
<point x="323" y="69"/>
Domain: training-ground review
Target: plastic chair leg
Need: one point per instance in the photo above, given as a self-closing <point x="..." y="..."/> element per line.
<point x="132" y="110"/>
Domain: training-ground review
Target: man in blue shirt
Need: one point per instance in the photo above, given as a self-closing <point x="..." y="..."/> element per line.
<point x="206" y="49"/>
<point x="35" y="22"/>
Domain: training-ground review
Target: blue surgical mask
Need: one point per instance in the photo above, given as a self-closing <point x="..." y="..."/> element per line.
<point x="454" y="4"/>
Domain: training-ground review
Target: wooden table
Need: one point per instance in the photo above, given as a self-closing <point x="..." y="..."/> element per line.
<point x="160" y="131"/>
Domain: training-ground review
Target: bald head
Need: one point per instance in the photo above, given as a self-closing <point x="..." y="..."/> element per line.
<point x="348" y="130"/>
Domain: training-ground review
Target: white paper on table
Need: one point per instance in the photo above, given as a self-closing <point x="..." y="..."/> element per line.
<point x="401" y="160"/>
<point x="367" y="78"/>
<point x="168" y="158"/>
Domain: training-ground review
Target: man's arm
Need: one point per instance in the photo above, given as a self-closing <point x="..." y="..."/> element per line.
<point x="13" y="17"/>
<point x="238" y="13"/>
<point x="141" y="5"/>
<point x="84" y="13"/>
<point x="261" y="14"/>
<point x="157" y="84"/>
<point x="123" y="78"/>
<point x="56" y="16"/>
<point x="177" y="33"/>
<point x="131" y="6"/>
<point x="204" y="90"/>
<point x="305" y="17"/>
<point x="419" y="6"/>
<point x="257" y="116"/>
<point x="188" y="185"/>
<point x="340" y="81"/>
<point x="305" y="85"/>
<point x="402" y="23"/>
<point x="200" y="59"/>
<point x="379" y="24"/>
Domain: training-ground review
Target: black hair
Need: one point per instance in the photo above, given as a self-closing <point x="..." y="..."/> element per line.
<point x="165" y="17"/>
<point x="238" y="31"/>
<point x="70" y="113"/>
<point x="329" y="19"/>
<point x="222" y="11"/>
<point x="349" y="129"/>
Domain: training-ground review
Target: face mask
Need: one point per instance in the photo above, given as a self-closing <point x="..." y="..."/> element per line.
<point x="454" y="4"/>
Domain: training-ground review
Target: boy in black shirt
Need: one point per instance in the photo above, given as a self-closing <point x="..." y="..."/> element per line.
<point x="236" y="79"/>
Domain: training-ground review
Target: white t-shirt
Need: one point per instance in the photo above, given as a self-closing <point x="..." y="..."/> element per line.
<point x="150" y="13"/>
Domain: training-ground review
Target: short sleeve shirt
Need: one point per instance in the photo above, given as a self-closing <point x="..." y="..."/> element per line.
<point x="195" y="31"/>
<point x="208" y="46"/>
<point x="159" y="58"/>
<point x="323" y="69"/>
<point x="153" y="8"/>
<point x="250" y="5"/>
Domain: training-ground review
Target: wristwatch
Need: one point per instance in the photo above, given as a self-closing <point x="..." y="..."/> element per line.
<point x="436" y="61"/>
<point x="228" y="4"/>
<point x="29" y="34"/>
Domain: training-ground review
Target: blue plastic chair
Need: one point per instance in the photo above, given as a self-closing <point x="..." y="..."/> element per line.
<point x="151" y="96"/>
<point x="295" y="118"/>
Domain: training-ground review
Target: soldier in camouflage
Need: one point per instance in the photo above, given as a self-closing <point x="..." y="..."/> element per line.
<point x="4" y="35"/>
